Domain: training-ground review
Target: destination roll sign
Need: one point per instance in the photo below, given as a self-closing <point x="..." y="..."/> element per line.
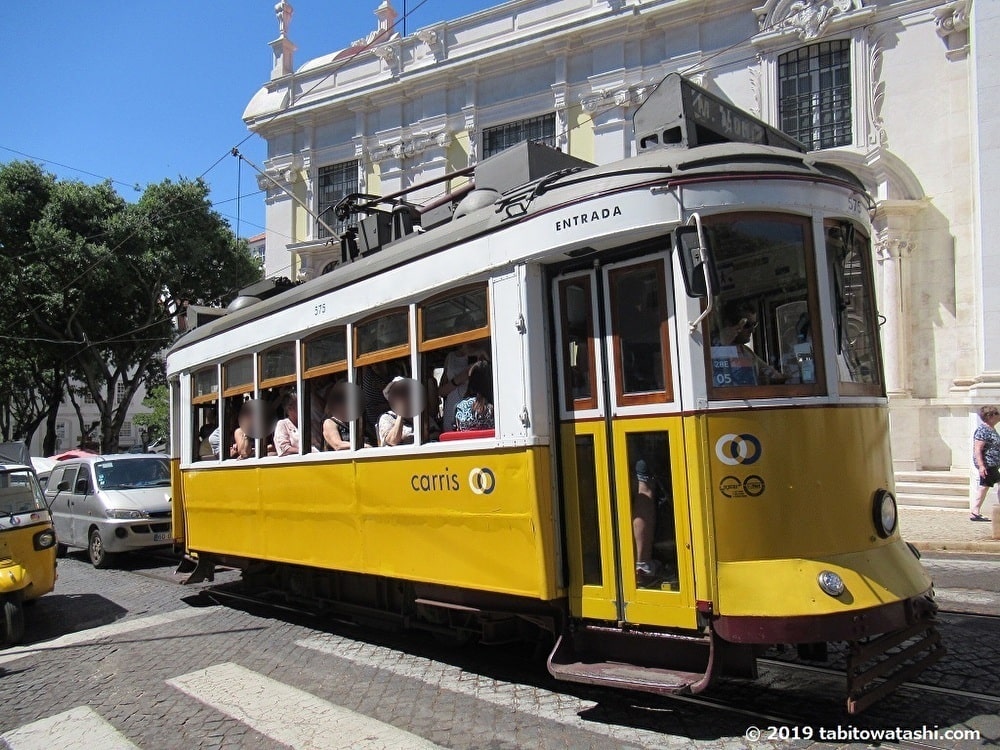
<point x="680" y="114"/>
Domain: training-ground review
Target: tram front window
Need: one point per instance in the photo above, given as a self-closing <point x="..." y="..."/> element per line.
<point x="761" y="329"/>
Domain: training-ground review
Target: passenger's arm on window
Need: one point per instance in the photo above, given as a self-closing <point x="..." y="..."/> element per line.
<point x="331" y="434"/>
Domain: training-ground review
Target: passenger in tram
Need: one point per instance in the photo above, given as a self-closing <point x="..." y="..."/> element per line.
<point x="336" y="426"/>
<point x="475" y="411"/>
<point x="455" y="378"/>
<point x="207" y="450"/>
<point x="393" y="427"/>
<point x="644" y="523"/>
<point x="375" y="379"/>
<point x="242" y="446"/>
<point x="733" y="362"/>
<point x="286" y="432"/>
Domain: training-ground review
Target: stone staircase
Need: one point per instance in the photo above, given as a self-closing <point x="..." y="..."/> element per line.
<point x="938" y="489"/>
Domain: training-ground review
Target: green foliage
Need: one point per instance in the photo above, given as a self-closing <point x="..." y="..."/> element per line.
<point x="157" y="421"/>
<point x="90" y="285"/>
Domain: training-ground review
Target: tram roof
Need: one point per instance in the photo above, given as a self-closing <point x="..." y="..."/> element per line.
<point x="671" y="163"/>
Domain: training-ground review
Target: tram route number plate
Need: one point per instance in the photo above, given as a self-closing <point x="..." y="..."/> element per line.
<point x="163" y="536"/>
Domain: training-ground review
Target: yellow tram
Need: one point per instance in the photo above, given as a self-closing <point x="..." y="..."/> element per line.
<point x="688" y="459"/>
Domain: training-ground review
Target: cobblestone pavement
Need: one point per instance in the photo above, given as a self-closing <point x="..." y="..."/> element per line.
<point x="128" y="658"/>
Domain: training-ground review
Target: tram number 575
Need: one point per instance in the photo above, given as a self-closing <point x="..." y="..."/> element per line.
<point x="854" y="205"/>
<point x="319" y="309"/>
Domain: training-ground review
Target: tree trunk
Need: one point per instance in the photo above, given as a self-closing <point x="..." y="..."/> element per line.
<point x="49" y="443"/>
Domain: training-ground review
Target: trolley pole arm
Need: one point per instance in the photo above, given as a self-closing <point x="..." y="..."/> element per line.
<point x="710" y="292"/>
<point x="333" y="232"/>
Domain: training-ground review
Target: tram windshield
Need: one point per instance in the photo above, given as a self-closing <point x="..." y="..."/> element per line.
<point x="763" y="340"/>
<point x="20" y="492"/>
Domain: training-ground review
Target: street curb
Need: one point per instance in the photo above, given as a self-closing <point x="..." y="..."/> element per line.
<point x="992" y="547"/>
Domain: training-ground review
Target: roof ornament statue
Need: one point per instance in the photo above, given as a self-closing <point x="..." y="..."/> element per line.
<point x="283" y="11"/>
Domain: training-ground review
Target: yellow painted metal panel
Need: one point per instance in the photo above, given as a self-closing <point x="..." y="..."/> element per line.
<point x="797" y="483"/>
<point x="786" y="588"/>
<point x="480" y="520"/>
<point x="23" y="567"/>
<point x="702" y="531"/>
<point x="597" y="602"/>
<point x="176" y="501"/>
<point x="668" y="608"/>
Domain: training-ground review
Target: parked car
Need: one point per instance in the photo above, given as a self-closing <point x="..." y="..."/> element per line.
<point x="110" y="504"/>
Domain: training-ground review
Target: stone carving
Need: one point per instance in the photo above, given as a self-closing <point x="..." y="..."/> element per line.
<point x="808" y="18"/>
<point x="952" y="18"/>
<point x="755" y="91"/>
<point x="283" y="11"/>
<point x="613" y="97"/>
<point x="891" y="244"/>
<point x="386" y="54"/>
<point x="876" y="91"/>
<point x="952" y="21"/>
<point x="404" y="149"/>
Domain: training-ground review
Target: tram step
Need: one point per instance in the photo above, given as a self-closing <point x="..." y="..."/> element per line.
<point x="650" y="663"/>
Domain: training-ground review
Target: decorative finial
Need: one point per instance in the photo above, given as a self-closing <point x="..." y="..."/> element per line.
<point x="283" y="11"/>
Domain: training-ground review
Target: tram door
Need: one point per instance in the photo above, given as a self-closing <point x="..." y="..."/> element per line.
<point x="622" y="445"/>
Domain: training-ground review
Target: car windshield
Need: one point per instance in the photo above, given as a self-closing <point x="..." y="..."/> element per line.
<point x="19" y="492"/>
<point x="132" y="473"/>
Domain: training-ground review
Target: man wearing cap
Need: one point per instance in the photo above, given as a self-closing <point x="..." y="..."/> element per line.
<point x="393" y="427"/>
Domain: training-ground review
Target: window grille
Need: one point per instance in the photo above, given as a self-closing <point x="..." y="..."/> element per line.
<point x="540" y="129"/>
<point x="335" y="181"/>
<point x="814" y="85"/>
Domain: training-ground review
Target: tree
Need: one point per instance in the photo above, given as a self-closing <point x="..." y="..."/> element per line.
<point x="32" y="372"/>
<point x="105" y="280"/>
<point x="157" y="420"/>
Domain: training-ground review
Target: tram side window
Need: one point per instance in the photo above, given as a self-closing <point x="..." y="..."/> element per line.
<point x="763" y="340"/>
<point x="205" y="414"/>
<point x="855" y="316"/>
<point x="381" y="353"/>
<point x="639" y="323"/>
<point x="454" y="344"/>
<point x="330" y="404"/>
<point x="239" y="431"/>
<point x="577" y="317"/>
<point x="277" y="382"/>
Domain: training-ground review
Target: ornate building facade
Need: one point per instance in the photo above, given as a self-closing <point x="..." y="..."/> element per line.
<point x="906" y="93"/>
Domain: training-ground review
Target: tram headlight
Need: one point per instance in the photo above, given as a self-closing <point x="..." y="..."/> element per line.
<point x="831" y="583"/>
<point x="884" y="513"/>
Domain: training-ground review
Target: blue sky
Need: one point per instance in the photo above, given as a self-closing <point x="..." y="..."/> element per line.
<point x="140" y="90"/>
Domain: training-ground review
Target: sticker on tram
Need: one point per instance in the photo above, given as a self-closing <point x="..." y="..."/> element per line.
<point x="482" y="481"/>
<point x="734" y="450"/>
<point x="734" y="487"/>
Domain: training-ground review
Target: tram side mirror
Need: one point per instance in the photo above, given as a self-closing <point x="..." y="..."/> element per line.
<point x="694" y="257"/>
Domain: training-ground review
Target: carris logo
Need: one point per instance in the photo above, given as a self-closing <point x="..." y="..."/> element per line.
<point x="733" y="449"/>
<point x="588" y="216"/>
<point x="482" y="481"/>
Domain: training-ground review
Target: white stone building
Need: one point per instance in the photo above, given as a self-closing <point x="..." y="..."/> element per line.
<point x="904" y="92"/>
<point x="69" y="433"/>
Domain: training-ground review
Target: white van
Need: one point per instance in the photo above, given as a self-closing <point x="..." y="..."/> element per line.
<point x="110" y="504"/>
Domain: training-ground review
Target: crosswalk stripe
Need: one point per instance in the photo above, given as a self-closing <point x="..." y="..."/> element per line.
<point x="289" y="715"/>
<point x="81" y="726"/>
<point x="94" y="634"/>
<point x="544" y="704"/>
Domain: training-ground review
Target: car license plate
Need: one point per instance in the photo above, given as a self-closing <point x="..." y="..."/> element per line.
<point x="163" y="536"/>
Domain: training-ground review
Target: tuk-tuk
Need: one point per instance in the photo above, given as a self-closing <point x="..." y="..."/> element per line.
<point x="27" y="548"/>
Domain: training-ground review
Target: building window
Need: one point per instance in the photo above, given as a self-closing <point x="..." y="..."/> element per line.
<point x="88" y="398"/>
<point x="335" y="181"/>
<point x="119" y="393"/>
<point x="815" y="94"/>
<point x="537" y="129"/>
<point x="126" y="430"/>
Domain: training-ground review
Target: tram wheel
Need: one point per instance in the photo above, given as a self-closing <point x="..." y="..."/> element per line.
<point x="13" y="620"/>
<point x="99" y="557"/>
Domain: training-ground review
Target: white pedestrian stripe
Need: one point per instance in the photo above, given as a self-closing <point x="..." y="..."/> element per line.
<point x="289" y="715"/>
<point x="94" y="634"/>
<point x="544" y="704"/>
<point x="78" y="727"/>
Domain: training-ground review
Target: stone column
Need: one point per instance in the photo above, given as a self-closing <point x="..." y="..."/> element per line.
<point x="891" y="252"/>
